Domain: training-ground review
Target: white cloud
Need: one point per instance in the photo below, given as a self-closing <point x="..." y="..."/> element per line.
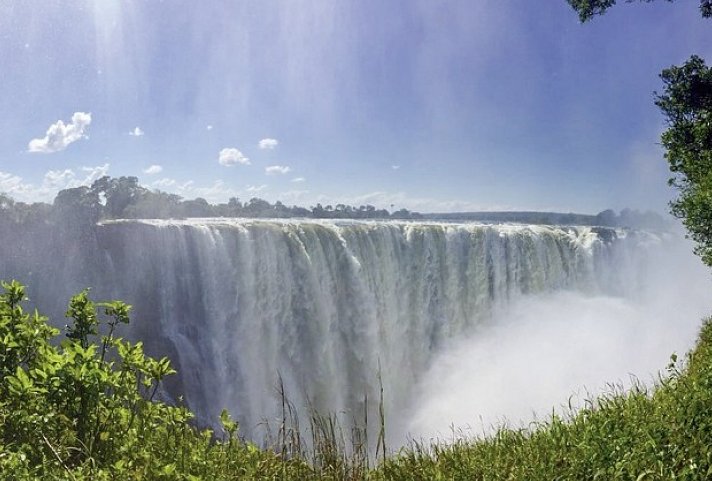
<point x="218" y="192"/>
<point x="137" y="132"/>
<point x="209" y="127"/>
<point x="59" y="135"/>
<point x="92" y="174"/>
<point x="58" y="179"/>
<point x="298" y="179"/>
<point x="153" y="169"/>
<point x="294" y="196"/>
<point x="163" y="183"/>
<point x="277" y="169"/>
<point x="256" y="188"/>
<point x="268" y="144"/>
<point x="215" y="193"/>
<point x="63" y="179"/>
<point x="395" y="167"/>
<point x="231" y="156"/>
<point x="52" y="182"/>
<point x="11" y="184"/>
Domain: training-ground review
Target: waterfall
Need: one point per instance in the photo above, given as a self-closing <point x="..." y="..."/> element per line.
<point x="234" y="303"/>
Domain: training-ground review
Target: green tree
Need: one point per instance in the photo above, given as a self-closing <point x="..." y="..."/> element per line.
<point x="117" y="193"/>
<point x="588" y="9"/>
<point x="686" y="102"/>
<point x="87" y="407"/>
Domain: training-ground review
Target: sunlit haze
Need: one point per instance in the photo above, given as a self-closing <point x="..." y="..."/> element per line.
<point x="427" y="105"/>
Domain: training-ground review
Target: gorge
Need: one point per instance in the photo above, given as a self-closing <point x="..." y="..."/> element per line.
<point x="327" y="305"/>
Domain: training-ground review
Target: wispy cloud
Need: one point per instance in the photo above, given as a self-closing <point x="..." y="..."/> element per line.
<point x="59" y="135"/>
<point x="52" y="182"/>
<point x="256" y="188"/>
<point x="399" y="200"/>
<point x="395" y="167"/>
<point x="232" y="156"/>
<point x="293" y="196"/>
<point x="153" y="169"/>
<point x="12" y="185"/>
<point x="298" y="179"/>
<point x="163" y="183"/>
<point x="268" y="144"/>
<point x="277" y="170"/>
<point x="137" y="132"/>
<point x="217" y="192"/>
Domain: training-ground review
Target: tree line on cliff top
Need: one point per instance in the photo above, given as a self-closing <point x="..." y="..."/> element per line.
<point x="110" y="198"/>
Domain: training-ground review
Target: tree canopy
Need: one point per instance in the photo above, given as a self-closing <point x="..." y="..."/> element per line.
<point x="686" y="102"/>
<point x="587" y="9"/>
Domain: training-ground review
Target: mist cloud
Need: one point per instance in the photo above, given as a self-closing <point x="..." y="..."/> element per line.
<point x="542" y="352"/>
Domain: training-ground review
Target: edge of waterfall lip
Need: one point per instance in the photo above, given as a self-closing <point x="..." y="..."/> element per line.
<point x="238" y="221"/>
<point x="581" y="233"/>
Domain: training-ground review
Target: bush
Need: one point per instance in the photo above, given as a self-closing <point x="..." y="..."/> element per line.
<point x="86" y="408"/>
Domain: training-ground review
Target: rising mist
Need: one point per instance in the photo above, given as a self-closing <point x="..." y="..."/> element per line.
<point x="560" y="349"/>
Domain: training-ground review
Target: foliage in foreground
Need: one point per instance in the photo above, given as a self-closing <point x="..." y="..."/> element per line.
<point x="85" y="409"/>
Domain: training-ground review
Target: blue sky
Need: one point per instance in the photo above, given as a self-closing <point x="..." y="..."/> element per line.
<point x="431" y="105"/>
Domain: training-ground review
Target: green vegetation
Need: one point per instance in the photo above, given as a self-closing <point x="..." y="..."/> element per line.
<point x="587" y="9"/>
<point x="87" y="408"/>
<point x="687" y="105"/>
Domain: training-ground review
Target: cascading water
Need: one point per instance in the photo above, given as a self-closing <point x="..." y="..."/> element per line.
<point x="323" y="304"/>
